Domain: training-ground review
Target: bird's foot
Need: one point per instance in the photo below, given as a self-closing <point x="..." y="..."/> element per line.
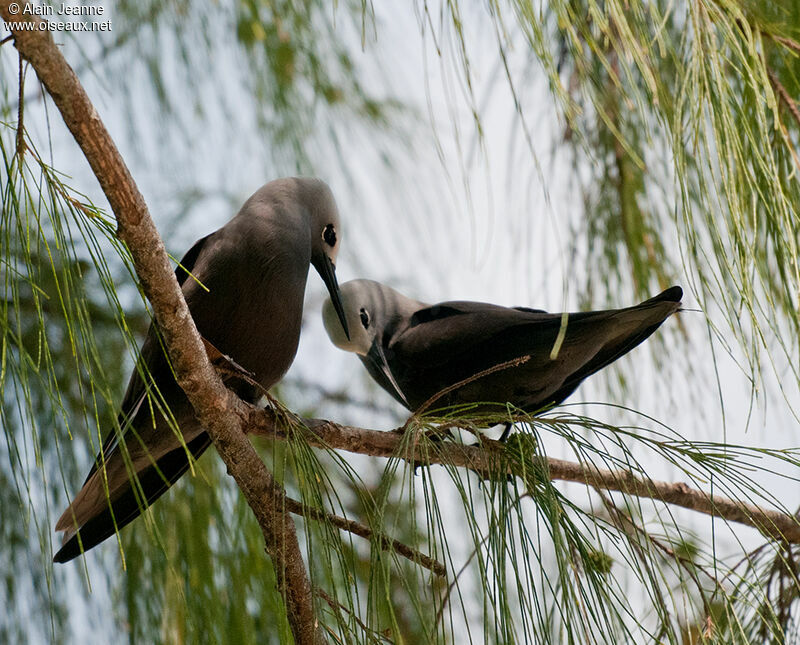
<point x="226" y="366"/>
<point x="238" y="368"/>
<point x="438" y="434"/>
<point x="506" y="432"/>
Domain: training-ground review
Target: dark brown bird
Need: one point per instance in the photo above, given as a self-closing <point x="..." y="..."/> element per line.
<point x="415" y="351"/>
<point x="245" y="294"/>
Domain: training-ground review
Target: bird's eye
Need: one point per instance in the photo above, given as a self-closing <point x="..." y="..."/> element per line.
<point x="364" y="317"/>
<point x="329" y="235"/>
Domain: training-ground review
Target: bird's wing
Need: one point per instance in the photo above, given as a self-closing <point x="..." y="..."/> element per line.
<point x="484" y="335"/>
<point x="151" y="358"/>
<point x="629" y="327"/>
<point x="152" y="483"/>
<point x="445" y="344"/>
<point x="450" y="330"/>
<point x="151" y="480"/>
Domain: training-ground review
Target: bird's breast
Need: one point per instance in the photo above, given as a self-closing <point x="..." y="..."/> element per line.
<point x="253" y="313"/>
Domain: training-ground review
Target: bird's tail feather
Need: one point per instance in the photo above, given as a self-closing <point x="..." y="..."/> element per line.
<point x="633" y="325"/>
<point x="127" y="506"/>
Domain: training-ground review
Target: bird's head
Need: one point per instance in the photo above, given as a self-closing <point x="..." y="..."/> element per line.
<point x="361" y="306"/>
<point x="323" y="216"/>
<point x="369" y="308"/>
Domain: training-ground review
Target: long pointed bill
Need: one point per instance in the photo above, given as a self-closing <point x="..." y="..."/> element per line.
<point x="378" y="359"/>
<point x="328" y="274"/>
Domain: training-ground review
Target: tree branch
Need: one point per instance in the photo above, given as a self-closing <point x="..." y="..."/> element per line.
<point x="784" y="95"/>
<point x="361" y="530"/>
<point x="212" y="402"/>
<point x="489" y="461"/>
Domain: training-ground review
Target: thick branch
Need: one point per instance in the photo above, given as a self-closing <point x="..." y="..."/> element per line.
<point x="212" y="402"/>
<point x="487" y="461"/>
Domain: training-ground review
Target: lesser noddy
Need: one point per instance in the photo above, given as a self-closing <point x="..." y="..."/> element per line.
<point x="416" y="351"/>
<point x="244" y="285"/>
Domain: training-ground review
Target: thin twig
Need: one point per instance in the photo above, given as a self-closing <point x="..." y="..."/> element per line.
<point x="626" y="524"/>
<point x="788" y="42"/>
<point x="21" y="112"/>
<point x="414" y="443"/>
<point x="502" y="366"/>
<point x="361" y="530"/>
<point x="783" y="93"/>
<point x="339" y="606"/>
<point x="787" y="100"/>
<point x="447" y="594"/>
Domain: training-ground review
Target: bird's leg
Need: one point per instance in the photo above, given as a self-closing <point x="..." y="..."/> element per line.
<point x="225" y="364"/>
<point x="440" y="432"/>
<point x="506" y="432"/>
<point x="238" y="369"/>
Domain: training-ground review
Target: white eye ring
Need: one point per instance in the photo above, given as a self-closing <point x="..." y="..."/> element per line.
<point x="364" y="314"/>
<point x="329" y="235"/>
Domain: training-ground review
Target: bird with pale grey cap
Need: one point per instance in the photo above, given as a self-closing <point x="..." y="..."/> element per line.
<point x="417" y="351"/>
<point x="244" y="285"/>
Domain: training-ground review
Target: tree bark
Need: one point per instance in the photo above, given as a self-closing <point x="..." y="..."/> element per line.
<point x="490" y="462"/>
<point x="212" y="402"/>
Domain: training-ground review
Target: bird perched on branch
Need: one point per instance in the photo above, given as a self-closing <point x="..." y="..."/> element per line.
<point x="478" y="353"/>
<point x="244" y="285"/>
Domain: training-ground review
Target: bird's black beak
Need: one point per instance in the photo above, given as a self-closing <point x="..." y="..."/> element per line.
<point x="328" y="273"/>
<point x="378" y="359"/>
